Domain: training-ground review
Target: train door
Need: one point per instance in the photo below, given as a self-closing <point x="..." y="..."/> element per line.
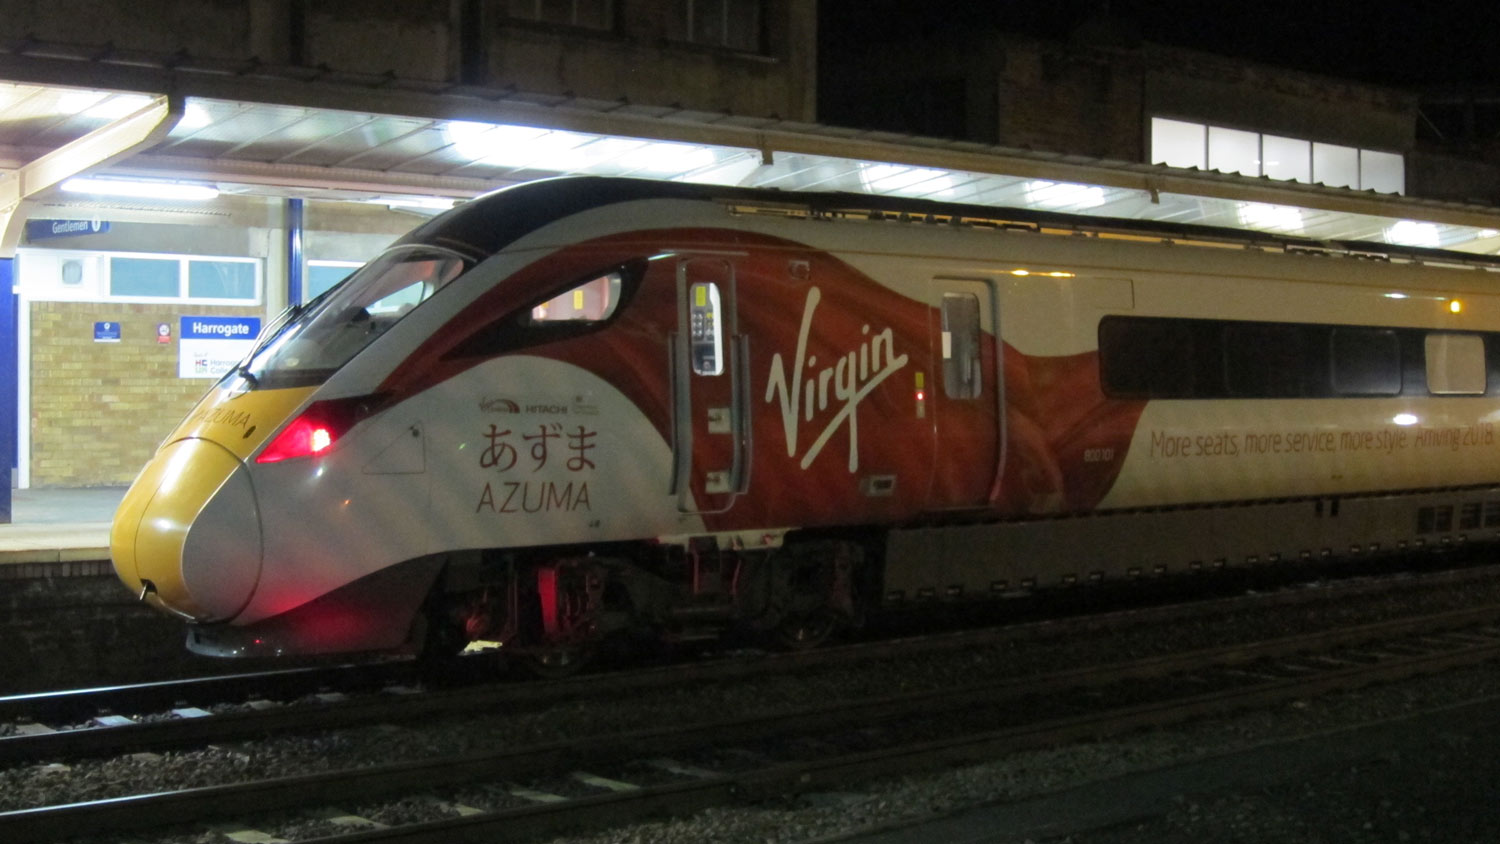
<point x="710" y="383"/>
<point x="966" y="399"/>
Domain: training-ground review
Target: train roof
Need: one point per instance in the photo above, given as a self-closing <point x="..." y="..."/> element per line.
<point x="487" y="224"/>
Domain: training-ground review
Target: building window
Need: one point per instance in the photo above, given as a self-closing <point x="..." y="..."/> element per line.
<point x="731" y="24"/>
<point x="181" y="278"/>
<point x="323" y="275"/>
<point x="589" y="14"/>
<point x="145" y="278"/>
<point x="1181" y="143"/>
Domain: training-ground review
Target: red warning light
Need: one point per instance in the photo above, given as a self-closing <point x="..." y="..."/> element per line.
<point x="317" y="429"/>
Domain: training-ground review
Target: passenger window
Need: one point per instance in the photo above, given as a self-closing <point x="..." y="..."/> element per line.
<point x="1263" y="361"/>
<point x="961" y="351"/>
<point x="1146" y="358"/>
<point x="1455" y="364"/>
<point x="592" y="301"/>
<point x="1366" y="361"/>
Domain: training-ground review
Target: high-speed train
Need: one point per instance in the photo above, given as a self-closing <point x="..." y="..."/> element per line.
<point x="585" y="406"/>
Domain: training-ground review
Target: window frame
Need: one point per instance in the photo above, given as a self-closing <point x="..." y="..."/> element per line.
<point x="688" y="11"/>
<point x="184" y="272"/>
<point x="516" y="330"/>
<point x="1382" y="171"/>
<point x="537" y="17"/>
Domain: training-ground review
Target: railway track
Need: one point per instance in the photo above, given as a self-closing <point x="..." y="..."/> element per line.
<point x="154" y="717"/>
<point x="610" y="778"/>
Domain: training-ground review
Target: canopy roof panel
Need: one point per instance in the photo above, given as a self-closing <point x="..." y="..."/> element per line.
<point x="300" y="146"/>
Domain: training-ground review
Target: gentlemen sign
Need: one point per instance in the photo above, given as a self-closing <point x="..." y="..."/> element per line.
<point x="48" y="229"/>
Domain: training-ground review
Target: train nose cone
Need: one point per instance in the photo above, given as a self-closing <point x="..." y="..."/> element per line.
<point x="187" y="534"/>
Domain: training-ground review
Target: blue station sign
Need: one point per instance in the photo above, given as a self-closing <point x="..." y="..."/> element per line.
<point x="48" y="229"/>
<point x="219" y="328"/>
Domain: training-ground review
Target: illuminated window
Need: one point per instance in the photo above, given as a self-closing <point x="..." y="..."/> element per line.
<point x="1286" y="158"/>
<point x="592" y="301"/>
<point x="733" y="24"/>
<point x="962" y="377"/>
<point x="1177" y="143"/>
<point x="1382" y="172"/>
<point x="1336" y="166"/>
<point x="1455" y="364"/>
<point x="590" y="14"/>
<point x="1233" y="151"/>
<point x="1182" y="143"/>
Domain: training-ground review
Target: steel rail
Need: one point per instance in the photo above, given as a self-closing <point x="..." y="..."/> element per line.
<point x="204" y="803"/>
<point x="376" y="708"/>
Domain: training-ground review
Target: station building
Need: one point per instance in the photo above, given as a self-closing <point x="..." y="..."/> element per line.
<point x="174" y="173"/>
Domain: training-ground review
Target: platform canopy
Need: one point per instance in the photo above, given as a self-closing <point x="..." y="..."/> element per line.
<point x="426" y="148"/>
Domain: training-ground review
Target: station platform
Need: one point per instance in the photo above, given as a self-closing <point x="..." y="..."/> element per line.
<point x="55" y="531"/>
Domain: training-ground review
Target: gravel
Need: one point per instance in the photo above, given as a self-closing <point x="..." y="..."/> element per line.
<point x="811" y="817"/>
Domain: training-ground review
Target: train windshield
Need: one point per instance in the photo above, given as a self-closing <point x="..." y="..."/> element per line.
<point x="312" y="342"/>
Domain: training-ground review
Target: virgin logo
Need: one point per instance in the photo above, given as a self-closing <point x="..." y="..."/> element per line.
<point x="847" y="381"/>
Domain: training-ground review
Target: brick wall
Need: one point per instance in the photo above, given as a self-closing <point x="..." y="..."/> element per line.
<point x="66" y="628"/>
<point x="98" y="410"/>
<point x="63" y="632"/>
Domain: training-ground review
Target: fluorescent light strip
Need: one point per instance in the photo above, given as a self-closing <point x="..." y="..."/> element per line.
<point x="140" y="189"/>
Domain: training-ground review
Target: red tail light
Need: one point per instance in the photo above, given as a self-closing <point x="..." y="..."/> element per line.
<point x="317" y="429"/>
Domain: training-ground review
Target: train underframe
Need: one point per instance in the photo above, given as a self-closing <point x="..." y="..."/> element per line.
<point x="554" y="607"/>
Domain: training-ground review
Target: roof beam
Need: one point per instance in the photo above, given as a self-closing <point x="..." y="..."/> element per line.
<point x="113" y="142"/>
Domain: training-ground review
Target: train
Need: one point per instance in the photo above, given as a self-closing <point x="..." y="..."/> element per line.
<point x="586" y="407"/>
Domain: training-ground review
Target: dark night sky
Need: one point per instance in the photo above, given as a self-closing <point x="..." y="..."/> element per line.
<point x="1407" y="44"/>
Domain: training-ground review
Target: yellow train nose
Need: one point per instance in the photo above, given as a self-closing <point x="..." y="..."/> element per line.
<point x="187" y="535"/>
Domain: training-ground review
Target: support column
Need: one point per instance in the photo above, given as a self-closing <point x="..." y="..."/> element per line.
<point x="9" y="423"/>
<point x="294" y="285"/>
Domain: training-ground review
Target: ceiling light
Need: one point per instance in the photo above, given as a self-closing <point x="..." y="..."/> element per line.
<point x="1063" y="195"/>
<point x="1259" y="215"/>
<point x="140" y="189"/>
<point x="1412" y="233"/>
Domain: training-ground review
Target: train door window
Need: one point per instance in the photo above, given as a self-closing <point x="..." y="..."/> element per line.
<point x="1455" y="364"/>
<point x="1365" y="361"/>
<point x="593" y="301"/>
<point x="707" y="328"/>
<point x="962" y="378"/>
